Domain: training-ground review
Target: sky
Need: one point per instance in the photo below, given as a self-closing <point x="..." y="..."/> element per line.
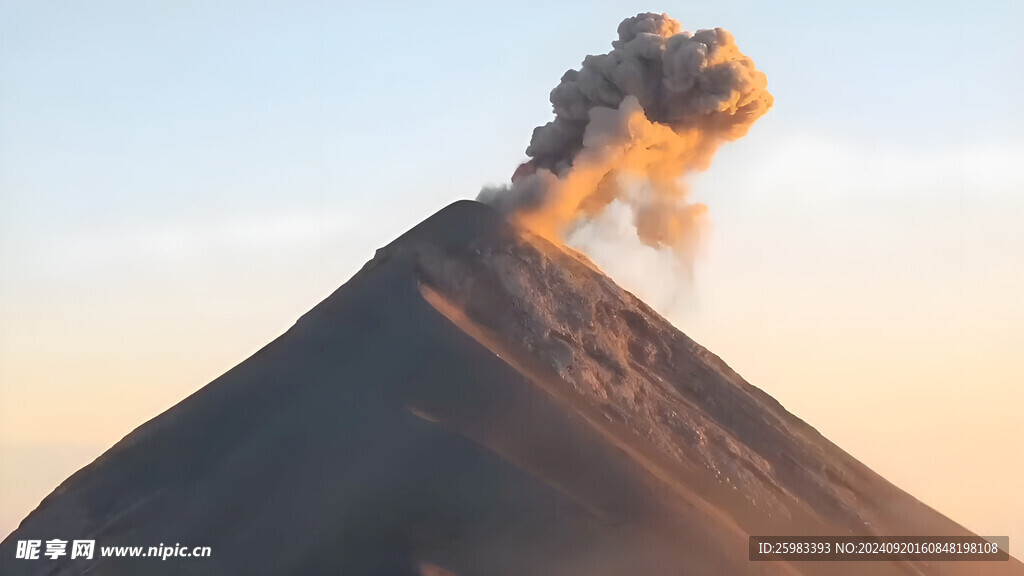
<point x="180" y="181"/>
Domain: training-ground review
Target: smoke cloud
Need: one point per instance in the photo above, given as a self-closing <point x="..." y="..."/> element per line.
<point x="629" y="125"/>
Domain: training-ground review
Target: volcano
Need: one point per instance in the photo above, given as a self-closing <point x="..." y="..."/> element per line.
<point x="476" y="401"/>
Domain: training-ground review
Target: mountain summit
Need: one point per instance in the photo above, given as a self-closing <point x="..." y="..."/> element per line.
<point x="476" y="401"/>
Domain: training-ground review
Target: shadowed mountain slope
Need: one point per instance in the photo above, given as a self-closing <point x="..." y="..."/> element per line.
<point x="476" y="401"/>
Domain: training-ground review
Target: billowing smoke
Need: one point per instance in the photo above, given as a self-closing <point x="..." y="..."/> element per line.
<point x="629" y="125"/>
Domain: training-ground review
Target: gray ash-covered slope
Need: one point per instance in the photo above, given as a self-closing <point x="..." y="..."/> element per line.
<point x="475" y="401"/>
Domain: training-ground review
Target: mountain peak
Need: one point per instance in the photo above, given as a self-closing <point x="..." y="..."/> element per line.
<point x="550" y="312"/>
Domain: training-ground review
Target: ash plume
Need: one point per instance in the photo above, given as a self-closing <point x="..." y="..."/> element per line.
<point x="629" y="125"/>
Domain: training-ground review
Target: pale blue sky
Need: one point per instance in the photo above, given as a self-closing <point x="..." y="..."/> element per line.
<point x="180" y="180"/>
<point x="151" y="112"/>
